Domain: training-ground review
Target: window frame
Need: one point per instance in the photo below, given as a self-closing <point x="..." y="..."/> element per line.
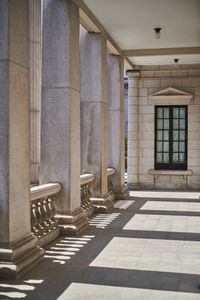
<point x="171" y="165"/>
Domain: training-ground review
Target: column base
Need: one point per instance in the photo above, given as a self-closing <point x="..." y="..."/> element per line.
<point x="121" y="192"/>
<point x="74" y="223"/>
<point x="103" y="204"/>
<point x="19" y="257"/>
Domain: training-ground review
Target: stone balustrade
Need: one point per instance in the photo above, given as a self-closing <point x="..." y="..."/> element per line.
<point x="110" y="173"/>
<point x="86" y="204"/>
<point x="43" y="222"/>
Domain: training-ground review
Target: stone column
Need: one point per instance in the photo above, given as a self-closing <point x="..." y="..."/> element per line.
<point x="116" y="158"/>
<point x="18" y="246"/>
<point x="60" y="111"/>
<point x="133" y="128"/>
<point x="35" y="85"/>
<point x="94" y="115"/>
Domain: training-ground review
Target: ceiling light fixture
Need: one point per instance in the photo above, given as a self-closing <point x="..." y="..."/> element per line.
<point x="157" y="32"/>
<point x="176" y="60"/>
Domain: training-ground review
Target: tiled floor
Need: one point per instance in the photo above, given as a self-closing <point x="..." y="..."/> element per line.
<point x="146" y="248"/>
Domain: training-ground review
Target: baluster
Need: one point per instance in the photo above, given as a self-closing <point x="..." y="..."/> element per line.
<point x="52" y="211"/>
<point x="88" y="194"/>
<point x="39" y="217"/>
<point x="34" y="220"/>
<point x="82" y="196"/>
<point x="43" y="216"/>
<point x="48" y="214"/>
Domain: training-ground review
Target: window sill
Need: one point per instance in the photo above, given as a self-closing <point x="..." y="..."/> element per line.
<point x="171" y="172"/>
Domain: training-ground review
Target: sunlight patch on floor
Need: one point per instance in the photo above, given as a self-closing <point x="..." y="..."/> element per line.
<point x="169" y="223"/>
<point x="101" y="221"/>
<point x="123" y="204"/>
<point x="150" y="254"/>
<point x="20" y="289"/>
<point x="66" y="248"/>
<point x="171" y="206"/>
<point x="165" y="194"/>
<point x="84" y="291"/>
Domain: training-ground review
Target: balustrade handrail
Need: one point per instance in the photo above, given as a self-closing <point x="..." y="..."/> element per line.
<point x="86" y="178"/>
<point x="44" y="190"/>
<point x="110" y="171"/>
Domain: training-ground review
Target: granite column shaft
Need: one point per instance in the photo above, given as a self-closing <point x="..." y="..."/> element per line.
<point x="116" y="159"/>
<point x="94" y="158"/>
<point x="18" y="246"/>
<point x="60" y="111"/>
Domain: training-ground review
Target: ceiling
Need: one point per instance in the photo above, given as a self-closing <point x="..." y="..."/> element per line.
<point x="130" y="23"/>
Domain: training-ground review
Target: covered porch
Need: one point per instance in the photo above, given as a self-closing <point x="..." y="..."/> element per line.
<point x="62" y="147"/>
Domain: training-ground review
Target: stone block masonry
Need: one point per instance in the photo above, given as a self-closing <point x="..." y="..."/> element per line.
<point x="141" y="125"/>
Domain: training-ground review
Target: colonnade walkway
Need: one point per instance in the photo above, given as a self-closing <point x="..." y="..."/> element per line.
<point x="145" y="248"/>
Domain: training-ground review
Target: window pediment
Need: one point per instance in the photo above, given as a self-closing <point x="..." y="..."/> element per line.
<point x="171" y="96"/>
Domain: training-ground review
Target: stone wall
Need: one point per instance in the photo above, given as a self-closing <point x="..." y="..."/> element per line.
<point x="153" y="79"/>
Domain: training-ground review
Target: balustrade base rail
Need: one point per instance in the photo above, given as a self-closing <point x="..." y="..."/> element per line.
<point x="102" y="205"/>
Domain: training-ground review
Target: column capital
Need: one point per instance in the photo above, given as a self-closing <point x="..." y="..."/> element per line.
<point x="133" y="73"/>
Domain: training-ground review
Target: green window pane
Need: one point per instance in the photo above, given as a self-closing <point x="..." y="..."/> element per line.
<point x="175" y="135"/>
<point x="182" y="146"/>
<point x="171" y="136"/>
<point x="166" y="112"/>
<point x="182" y="135"/>
<point x="159" y="112"/>
<point x="182" y="112"/>
<point x="175" y="124"/>
<point x="159" y="135"/>
<point x="166" y="124"/>
<point x="182" y="124"/>
<point x="175" y="146"/>
<point x="159" y="157"/>
<point x="166" y="135"/>
<point x="181" y="157"/>
<point x="159" y="124"/>
<point x="175" y="158"/>
<point x="166" y="158"/>
<point x="166" y="146"/>
<point x="175" y="112"/>
<point x="159" y="146"/>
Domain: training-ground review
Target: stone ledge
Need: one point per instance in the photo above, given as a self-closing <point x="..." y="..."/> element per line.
<point x="86" y="178"/>
<point x="171" y="172"/>
<point x="44" y="190"/>
<point x="110" y="171"/>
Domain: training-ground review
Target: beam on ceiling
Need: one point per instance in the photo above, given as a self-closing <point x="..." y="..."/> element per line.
<point x="87" y="18"/>
<point x="161" y="51"/>
<point x="92" y="24"/>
